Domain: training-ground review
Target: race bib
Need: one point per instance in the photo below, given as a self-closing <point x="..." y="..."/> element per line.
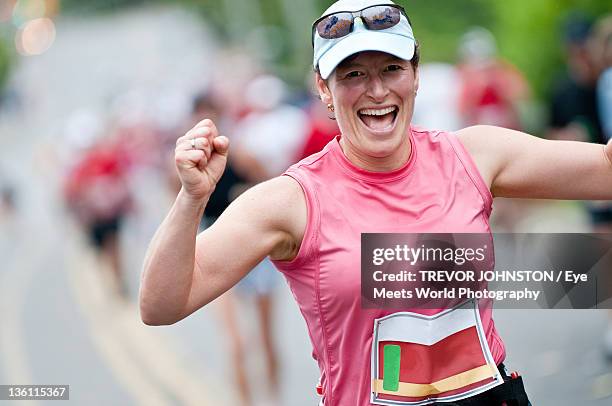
<point x="419" y="360"/>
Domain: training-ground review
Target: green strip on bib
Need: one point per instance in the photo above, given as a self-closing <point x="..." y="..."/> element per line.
<point x="391" y="367"/>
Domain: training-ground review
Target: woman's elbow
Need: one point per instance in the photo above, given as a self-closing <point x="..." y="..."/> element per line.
<point x="152" y="316"/>
<point x="153" y="320"/>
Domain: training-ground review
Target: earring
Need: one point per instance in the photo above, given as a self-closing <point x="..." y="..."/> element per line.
<point x="331" y="109"/>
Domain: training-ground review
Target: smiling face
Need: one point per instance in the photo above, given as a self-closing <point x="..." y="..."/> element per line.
<point x="373" y="95"/>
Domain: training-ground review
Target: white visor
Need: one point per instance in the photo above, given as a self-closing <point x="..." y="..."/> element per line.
<point x="397" y="40"/>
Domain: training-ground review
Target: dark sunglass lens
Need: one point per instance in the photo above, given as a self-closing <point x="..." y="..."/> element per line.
<point x="381" y="17"/>
<point x="335" y="26"/>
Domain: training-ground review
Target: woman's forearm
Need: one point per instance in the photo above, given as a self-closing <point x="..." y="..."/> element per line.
<point x="169" y="263"/>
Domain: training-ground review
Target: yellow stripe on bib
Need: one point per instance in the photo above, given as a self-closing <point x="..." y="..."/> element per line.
<point x="444" y="385"/>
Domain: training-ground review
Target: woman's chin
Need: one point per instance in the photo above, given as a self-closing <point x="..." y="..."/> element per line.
<point x="382" y="144"/>
<point x="382" y="148"/>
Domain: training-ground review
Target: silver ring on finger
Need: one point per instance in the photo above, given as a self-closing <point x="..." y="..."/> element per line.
<point x="193" y="143"/>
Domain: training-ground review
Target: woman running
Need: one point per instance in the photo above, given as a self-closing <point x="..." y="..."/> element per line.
<point x="379" y="175"/>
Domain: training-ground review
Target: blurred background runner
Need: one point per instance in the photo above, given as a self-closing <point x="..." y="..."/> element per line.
<point x="96" y="189"/>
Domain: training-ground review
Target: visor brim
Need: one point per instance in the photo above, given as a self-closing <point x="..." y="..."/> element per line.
<point x="395" y="44"/>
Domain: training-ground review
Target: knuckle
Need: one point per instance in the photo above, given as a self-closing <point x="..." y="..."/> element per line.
<point x="182" y="138"/>
<point x="207" y="127"/>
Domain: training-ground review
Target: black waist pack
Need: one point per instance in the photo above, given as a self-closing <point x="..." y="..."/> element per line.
<point x="510" y="393"/>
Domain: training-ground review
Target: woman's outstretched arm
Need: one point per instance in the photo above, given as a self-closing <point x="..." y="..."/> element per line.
<point x="515" y="164"/>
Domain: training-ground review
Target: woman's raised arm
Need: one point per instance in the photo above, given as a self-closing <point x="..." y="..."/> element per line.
<point x="182" y="273"/>
<point x="515" y="164"/>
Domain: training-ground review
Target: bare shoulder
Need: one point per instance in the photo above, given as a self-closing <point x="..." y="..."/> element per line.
<point x="489" y="138"/>
<point x="280" y="198"/>
<point x="278" y="207"/>
<point x="485" y="144"/>
<point x="478" y="138"/>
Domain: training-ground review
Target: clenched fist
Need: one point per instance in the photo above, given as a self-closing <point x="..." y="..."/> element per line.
<point x="200" y="156"/>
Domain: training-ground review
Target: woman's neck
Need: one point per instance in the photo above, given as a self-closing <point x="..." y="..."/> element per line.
<point x="390" y="163"/>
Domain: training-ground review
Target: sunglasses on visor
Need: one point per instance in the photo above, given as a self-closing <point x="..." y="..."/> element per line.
<point x="375" y="18"/>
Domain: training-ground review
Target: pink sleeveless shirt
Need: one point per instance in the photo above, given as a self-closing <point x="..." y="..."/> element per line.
<point x="438" y="190"/>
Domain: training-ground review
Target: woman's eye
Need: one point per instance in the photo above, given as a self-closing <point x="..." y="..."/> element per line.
<point x="393" y="68"/>
<point x="353" y="74"/>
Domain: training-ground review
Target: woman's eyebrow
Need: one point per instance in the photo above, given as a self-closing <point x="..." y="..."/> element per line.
<point x="394" y="59"/>
<point x="350" y="65"/>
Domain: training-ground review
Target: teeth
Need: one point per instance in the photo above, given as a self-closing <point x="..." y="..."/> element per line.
<point x="381" y="112"/>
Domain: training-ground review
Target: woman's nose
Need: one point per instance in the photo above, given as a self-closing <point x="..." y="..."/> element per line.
<point x="377" y="89"/>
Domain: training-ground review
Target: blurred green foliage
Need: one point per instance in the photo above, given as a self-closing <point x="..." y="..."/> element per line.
<point x="529" y="34"/>
<point x="88" y="6"/>
<point x="5" y="62"/>
<point x="528" y="31"/>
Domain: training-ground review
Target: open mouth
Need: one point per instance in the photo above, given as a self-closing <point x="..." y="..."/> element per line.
<point x="379" y="120"/>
